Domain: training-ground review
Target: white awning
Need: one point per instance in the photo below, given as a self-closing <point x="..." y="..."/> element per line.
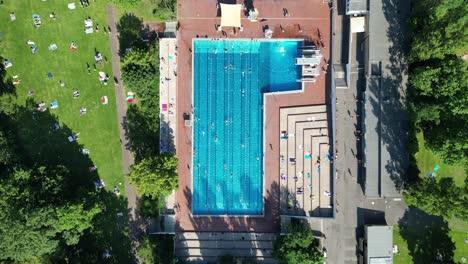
<point x="358" y="24"/>
<point x="231" y="15"/>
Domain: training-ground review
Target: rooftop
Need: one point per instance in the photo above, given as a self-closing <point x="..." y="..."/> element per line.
<point x="379" y="244"/>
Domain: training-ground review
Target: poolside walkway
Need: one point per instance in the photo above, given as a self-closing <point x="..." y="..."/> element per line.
<point x="167" y="96"/>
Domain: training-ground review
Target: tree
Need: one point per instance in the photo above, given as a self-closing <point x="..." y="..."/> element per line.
<point x="140" y="68"/>
<point x="140" y="71"/>
<point x="155" y="176"/>
<point x="7" y="150"/>
<point x="146" y="251"/>
<point x="167" y="10"/>
<point x="438" y="28"/>
<point x="442" y="85"/>
<point x="299" y="246"/>
<point x="441" y="197"/>
<point x="73" y="219"/>
<point x="27" y="235"/>
<point x="156" y="249"/>
<point x="439" y="98"/>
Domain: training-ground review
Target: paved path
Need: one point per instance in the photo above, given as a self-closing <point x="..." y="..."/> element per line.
<point x="135" y="221"/>
<point x="167" y="97"/>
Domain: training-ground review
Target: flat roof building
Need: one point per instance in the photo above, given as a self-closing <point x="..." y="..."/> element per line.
<point x="385" y="157"/>
<point x="379" y="244"/>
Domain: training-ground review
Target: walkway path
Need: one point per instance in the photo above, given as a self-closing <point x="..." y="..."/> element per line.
<point x="167" y="97"/>
<point x="135" y="221"/>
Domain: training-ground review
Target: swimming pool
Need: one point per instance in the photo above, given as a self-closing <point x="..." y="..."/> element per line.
<point x="230" y="77"/>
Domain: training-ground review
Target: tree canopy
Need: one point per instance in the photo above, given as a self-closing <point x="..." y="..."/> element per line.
<point x="438" y="28"/>
<point x="155" y="176"/>
<point x="439" y="96"/>
<point x="299" y="246"/>
<point x="44" y="206"/>
<point x="441" y="197"/>
<point x="140" y="73"/>
<point x="438" y="91"/>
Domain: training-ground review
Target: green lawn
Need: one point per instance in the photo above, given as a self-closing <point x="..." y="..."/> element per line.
<point x="458" y="233"/>
<point x="426" y="160"/>
<point x="149" y="11"/>
<point x="403" y="257"/>
<point x="425" y="231"/>
<point x="99" y="127"/>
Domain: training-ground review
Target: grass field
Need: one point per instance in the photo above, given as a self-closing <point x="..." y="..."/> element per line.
<point x="149" y="11"/>
<point x="403" y="257"/>
<point x="98" y="128"/>
<point x="426" y="160"/>
<point x="458" y="233"/>
<point x="457" y="229"/>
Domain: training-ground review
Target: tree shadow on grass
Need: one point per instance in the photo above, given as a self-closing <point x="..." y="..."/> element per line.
<point x="43" y="144"/>
<point x="427" y="237"/>
<point x="110" y="232"/>
<point x="130" y="28"/>
<point x="142" y="133"/>
<point x="6" y="84"/>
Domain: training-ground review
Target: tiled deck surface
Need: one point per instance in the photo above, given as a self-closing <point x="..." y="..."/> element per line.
<point x="167" y="96"/>
<point x="307" y="133"/>
<point x="199" y="18"/>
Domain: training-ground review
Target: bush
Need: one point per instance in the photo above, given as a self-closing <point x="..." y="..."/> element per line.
<point x="156" y="249"/>
<point x="150" y="206"/>
<point x="299" y="246"/>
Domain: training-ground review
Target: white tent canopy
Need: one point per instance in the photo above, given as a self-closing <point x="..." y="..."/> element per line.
<point x="231" y="15"/>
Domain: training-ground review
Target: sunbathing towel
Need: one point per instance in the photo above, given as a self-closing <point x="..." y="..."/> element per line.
<point x="54" y="104"/>
<point x="7" y="63"/>
<point x="104" y="100"/>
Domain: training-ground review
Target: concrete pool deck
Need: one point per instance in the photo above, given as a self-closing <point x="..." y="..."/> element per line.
<point x="199" y="18"/>
<point x="167" y="94"/>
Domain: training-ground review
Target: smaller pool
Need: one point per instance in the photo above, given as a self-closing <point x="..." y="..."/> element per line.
<point x="278" y="68"/>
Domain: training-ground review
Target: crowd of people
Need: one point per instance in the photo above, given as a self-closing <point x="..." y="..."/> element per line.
<point x="99" y="60"/>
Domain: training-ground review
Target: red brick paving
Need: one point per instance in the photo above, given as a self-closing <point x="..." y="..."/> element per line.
<point x="198" y="17"/>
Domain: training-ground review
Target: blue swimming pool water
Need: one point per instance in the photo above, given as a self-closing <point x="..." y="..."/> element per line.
<point x="230" y="78"/>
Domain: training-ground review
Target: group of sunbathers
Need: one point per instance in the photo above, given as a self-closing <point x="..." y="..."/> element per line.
<point x="76" y="94"/>
<point x="83" y="110"/>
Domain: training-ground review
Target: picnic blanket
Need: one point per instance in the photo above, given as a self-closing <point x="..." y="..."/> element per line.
<point x="54" y="104"/>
